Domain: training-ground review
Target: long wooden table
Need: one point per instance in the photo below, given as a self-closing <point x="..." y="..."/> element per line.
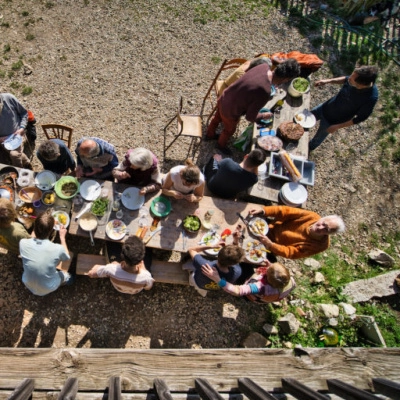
<point x="172" y="236"/>
<point x="290" y="107"/>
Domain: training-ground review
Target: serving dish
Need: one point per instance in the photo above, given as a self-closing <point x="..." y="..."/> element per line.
<point x="30" y="194"/>
<point x="306" y="119"/>
<point x="255" y="252"/>
<point x="45" y="180"/>
<point x="160" y="206"/>
<point x="65" y="189"/>
<point x="191" y="223"/>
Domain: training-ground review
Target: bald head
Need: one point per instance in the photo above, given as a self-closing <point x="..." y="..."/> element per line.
<point x="88" y="148"/>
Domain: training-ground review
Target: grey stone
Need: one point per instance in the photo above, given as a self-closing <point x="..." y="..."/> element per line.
<point x="289" y="324"/>
<point x="333" y="322"/>
<point x="381" y="258"/>
<point x="270" y="329"/>
<point x="319" y="278"/>
<point x="379" y="286"/>
<point x="329" y="310"/>
<point x="370" y="330"/>
<point x="313" y="264"/>
<point x="348" y="308"/>
<point x="255" y="340"/>
<point x="287" y="345"/>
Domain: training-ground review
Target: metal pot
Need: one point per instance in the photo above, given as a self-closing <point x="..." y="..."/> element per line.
<point x="88" y="222"/>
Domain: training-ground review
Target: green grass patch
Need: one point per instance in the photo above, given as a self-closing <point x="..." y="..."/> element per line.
<point x="17" y="65"/>
<point x="26" y="90"/>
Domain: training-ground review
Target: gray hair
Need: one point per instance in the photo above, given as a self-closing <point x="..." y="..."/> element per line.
<point x="141" y="158"/>
<point x="340" y="226"/>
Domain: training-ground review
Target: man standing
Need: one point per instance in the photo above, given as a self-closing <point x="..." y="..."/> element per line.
<point x="13" y="120"/>
<point x="353" y="104"/>
<point x="226" y="178"/>
<point x="247" y="96"/>
<point x="96" y="158"/>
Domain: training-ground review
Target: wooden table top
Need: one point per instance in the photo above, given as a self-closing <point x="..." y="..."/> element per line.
<point x="290" y="107"/>
<point x="171" y="236"/>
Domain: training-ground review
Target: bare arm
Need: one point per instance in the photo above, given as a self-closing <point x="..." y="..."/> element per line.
<point x="340" y="80"/>
<point x="167" y="188"/>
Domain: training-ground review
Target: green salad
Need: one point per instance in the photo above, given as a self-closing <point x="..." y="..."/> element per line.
<point x="192" y="223"/>
<point x="301" y="84"/>
<point x="99" y="207"/>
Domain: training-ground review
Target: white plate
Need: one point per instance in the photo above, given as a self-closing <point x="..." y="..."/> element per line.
<point x="306" y="119"/>
<point x="45" y="180"/>
<point x="261" y="223"/>
<point x="57" y="224"/>
<point x="90" y="190"/>
<point x="251" y="248"/>
<point x="214" y="240"/>
<point x="13" y="142"/>
<point x="295" y="193"/>
<point x="116" y="229"/>
<point x="131" y="199"/>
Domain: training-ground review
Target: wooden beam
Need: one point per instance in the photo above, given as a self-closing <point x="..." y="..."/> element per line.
<point x="179" y="368"/>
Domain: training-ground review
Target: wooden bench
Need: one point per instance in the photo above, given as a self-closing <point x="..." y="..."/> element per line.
<point x="162" y="271"/>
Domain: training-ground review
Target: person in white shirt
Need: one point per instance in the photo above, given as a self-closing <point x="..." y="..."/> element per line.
<point x="129" y="276"/>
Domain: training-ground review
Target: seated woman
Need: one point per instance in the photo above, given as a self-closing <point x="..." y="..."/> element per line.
<point x="11" y="232"/>
<point x="268" y="284"/>
<point x="184" y="182"/>
<point x="139" y="168"/>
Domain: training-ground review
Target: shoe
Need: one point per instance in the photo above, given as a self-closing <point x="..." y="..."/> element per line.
<point x="209" y="138"/>
<point x="224" y="150"/>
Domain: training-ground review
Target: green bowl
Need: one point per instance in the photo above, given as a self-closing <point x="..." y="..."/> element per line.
<point x="160" y="206"/>
<point x="62" y="181"/>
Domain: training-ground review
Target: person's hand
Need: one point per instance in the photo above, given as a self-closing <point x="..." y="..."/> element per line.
<point x="266" y="115"/>
<point x="177" y="195"/>
<point x="143" y="191"/>
<point x="217" y="157"/>
<point x="93" y="272"/>
<point x="94" y="171"/>
<point x="19" y="131"/>
<point x="191" y="198"/>
<point x="266" y="241"/>
<point x="321" y="82"/>
<point x="121" y="175"/>
<point x="62" y="231"/>
<point x="256" y="212"/>
<point x="332" y="129"/>
<point x="79" y="171"/>
<point x="210" y="272"/>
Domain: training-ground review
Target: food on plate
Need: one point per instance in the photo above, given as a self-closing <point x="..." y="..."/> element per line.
<point x="69" y="188"/>
<point x="258" y="226"/>
<point x="25" y="209"/>
<point x="270" y="143"/>
<point x="49" y="198"/>
<point x="255" y="251"/>
<point x="301" y="84"/>
<point x="99" y="207"/>
<point x="299" y="117"/>
<point x="62" y="219"/>
<point x="289" y="165"/>
<point x="225" y="234"/>
<point x="191" y="223"/>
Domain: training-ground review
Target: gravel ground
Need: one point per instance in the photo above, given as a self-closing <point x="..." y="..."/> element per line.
<point x="116" y="70"/>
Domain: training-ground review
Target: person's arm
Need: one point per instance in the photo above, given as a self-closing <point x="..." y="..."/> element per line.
<point x="339" y="81"/>
<point x="155" y="183"/>
<point x="197" y="194"/>
<point x="63" y="233"/>
<point x="336" y="127"/>
<point x="236" y="290"/>
<point x="23" y="115"/>
<point x="167" y="188"/>
<point x="193" y="251"/>
<point x="109" y="149"/>
<point x="71" y="164"/>
<point x="100" y="271"/>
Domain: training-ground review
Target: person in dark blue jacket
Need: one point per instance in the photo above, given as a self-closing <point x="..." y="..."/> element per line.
<point x="353" y="104"/>
<point x="55" y="156"/>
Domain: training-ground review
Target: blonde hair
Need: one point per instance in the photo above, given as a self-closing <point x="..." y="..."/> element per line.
<point x="141" y="158"/>
<point x="191" y="173"/>
<point x="7" y="213"/>
<point x="278" y="275"/>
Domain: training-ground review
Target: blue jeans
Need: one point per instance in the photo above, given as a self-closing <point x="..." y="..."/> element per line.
<point x="321" y="134"/>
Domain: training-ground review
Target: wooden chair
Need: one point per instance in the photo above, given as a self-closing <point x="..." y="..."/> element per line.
<point x="187" y="126"/>
<point x="214" y="91"/>
<point x="55" y="131"/>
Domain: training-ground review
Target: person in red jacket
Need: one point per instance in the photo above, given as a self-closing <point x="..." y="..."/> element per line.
<point x="296" y="233"/>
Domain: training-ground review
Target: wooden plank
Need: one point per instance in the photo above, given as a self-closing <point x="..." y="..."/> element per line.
<point x="85" y="262"/>
<point x="179" y="368"/>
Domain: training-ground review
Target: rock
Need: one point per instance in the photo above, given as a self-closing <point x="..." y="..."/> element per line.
<point x="288" y="345"/>
<point x="350" y="188"/>
<point x="300" y="312"/>
<point x="381" y="258"/>
<point x="270" y="329"/>
<point x="319" y="278"/>
<point x="289" y="324"/>
<point x="348" y="308"/>
<point x="379" y="286"/>
<point x="333" y="322"/>
<point x="255" y="340"/>
<point x="369" y="329"/>
<point x="313" y="264"/>
<point x="329" y="310"/>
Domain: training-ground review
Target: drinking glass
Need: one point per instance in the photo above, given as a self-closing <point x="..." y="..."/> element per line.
<point x="119" y="214"/>
<point x="261" y="183"/>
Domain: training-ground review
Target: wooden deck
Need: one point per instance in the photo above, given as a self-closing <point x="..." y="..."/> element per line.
<point x="138" y="369"/>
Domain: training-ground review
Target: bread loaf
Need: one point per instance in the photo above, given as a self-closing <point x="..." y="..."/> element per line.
<point x="288" y="163"/>
<point x="290" y="131"/>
